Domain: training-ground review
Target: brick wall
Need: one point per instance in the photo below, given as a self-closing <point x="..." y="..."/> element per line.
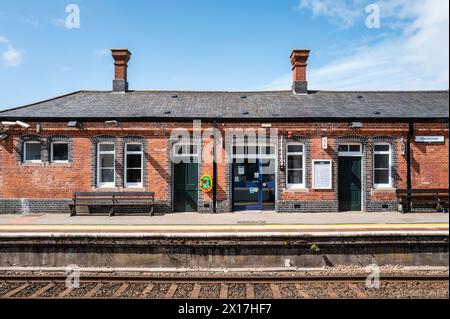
<point x="47" y="187"/>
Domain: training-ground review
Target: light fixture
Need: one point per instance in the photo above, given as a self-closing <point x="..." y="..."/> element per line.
<point x="22" y="124"/>
<point x="18" y="123"/>
<point x="356" y="125"/>
<point x="73" y="124"/>
<point x="6" y="123"/>
<point x="114" y="122"/>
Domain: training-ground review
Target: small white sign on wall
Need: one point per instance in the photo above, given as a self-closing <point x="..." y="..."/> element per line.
<point x="324" y="143"/>
<point x="322" y="174"/>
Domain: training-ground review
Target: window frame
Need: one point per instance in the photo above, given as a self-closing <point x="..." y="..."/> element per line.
<point x="51" y="152"/>
<point x="389" y="153"/>
<point x="25" y="151"/>
<point x="350" y="153"/>
<point x="126" y="152"/>
<point x="99" y="153"/>
<point x="303" y="154"/>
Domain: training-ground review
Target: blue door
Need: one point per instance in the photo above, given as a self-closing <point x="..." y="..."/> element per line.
<point x="253" y="184"/>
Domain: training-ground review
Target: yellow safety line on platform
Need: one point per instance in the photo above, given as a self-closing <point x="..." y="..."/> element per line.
<point x="226" y="227"/>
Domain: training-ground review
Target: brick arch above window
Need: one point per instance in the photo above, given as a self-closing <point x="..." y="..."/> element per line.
<point x="103" y="138"/>
<point x="351" y="139"/>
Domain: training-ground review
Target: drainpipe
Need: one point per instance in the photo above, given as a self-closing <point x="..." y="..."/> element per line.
<point x="408" y="165"/>
<point x="214" y="190"/>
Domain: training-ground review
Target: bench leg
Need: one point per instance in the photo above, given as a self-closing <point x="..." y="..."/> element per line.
<point x="111" y="211"/>
<point x="151" y="213"/>
<point x="73" y="210"/>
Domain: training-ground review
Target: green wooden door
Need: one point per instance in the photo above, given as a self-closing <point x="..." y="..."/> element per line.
<point x="349" y="184"/>
<point x="185" y="187"/>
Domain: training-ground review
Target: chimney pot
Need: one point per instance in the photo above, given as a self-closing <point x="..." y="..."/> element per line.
<point x="121" y="58"/>
<point x="299" y="57"/>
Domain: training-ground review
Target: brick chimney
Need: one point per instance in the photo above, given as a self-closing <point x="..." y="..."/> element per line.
<point x="299" y="57"/>
<point x="121" y="58"/>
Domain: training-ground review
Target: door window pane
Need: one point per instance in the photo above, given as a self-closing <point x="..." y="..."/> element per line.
<point x="343" y="148"/>
<point x="33" y="152"/>
<point x="60" y="152"/>
<point x="354" y="149"/>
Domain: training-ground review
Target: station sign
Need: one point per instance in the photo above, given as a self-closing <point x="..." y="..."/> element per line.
<point x="430" y="139"/>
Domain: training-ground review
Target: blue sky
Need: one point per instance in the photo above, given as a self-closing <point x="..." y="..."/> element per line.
<point x="220" y="45"/>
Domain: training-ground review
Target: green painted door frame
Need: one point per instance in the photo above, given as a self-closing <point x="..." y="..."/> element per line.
<point x="185" y="192"/>
<point x="349" y="183"/>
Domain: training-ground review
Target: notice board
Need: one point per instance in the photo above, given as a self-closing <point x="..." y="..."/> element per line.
<point x="322" y="173"/>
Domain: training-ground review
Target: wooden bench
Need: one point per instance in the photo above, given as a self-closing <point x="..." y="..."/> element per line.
<point x="437" y="199"/>
<point x="112" y="200"/>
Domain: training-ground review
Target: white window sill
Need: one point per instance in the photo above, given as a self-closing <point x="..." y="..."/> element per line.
<point x="383" y="189"/>
<point x="106" y="188"/>
<point x="33" y="163"/>
<point x="296" y="189"/>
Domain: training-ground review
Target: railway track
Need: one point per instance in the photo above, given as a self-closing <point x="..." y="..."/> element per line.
<point x="223" y="287"/>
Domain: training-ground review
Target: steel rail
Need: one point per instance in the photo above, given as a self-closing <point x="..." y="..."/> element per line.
<point x="205" y="279"/>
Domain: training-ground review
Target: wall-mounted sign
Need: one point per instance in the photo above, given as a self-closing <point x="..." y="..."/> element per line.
<point x="206" y="183"/>
<point x="402" y="146"/>
<point x="324" y="143"/>
<point x="430" y="139"/>
<point x="322" y="174"/>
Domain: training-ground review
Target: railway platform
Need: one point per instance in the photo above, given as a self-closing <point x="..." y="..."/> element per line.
<point x="226" y="241"/>
<point x="264" y="222"/>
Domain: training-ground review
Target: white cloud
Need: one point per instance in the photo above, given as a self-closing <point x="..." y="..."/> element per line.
<point x="11" y="57"/>
<point x="415" y="59"/>
<point x="342" y="13"/>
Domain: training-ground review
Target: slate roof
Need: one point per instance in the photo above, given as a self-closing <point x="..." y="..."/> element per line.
<point x="273" y="105"/>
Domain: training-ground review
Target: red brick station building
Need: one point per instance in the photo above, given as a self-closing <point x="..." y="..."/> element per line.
<point x="333" y="150"/>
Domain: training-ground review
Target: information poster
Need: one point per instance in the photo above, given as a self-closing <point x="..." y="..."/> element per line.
<point x="322" y="174"/>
